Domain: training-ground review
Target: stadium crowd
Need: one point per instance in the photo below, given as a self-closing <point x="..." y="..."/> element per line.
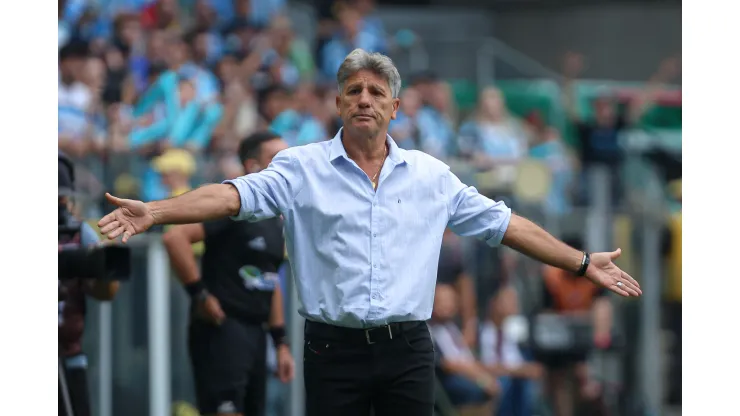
<point x="155" y="96"/>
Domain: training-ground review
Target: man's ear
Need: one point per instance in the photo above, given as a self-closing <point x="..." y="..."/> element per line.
<point x="396" y="105"/>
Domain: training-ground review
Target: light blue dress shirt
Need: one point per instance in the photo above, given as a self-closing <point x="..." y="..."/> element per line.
<point x="362" y="258"/>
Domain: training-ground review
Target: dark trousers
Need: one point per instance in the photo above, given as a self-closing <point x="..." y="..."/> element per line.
<point x="76" y="379"/>
<point x="344" y="374"/>
<point x="229" y="367"/>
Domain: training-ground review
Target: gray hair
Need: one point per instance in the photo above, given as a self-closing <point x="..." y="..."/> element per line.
<point x="378" y="63"/>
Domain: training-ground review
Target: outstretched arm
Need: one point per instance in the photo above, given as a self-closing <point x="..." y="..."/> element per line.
<point x="253" y="197"/>
<point x="474" y="215"/>
<point x="205" y="203"/>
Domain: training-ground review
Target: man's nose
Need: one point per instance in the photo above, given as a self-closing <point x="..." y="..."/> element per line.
<point x="364" y="101"/>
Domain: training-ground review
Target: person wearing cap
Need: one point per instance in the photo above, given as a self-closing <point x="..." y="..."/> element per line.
<point x="177" y="166"/>
<point x="363" y="223"/>
<point x="234" y="296"/>
<point x="73" y="294"/>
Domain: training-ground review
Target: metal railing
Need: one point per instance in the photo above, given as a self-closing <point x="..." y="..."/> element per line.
<point x="475" y="59"/>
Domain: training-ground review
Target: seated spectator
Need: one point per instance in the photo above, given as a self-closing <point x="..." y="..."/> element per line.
<point x="503" y="358"/>
<point x="492" y="139"/>
<point x="569" y="295"/>
<point x="465" y="380"/>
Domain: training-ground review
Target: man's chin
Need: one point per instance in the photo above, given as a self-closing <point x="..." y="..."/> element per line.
<point x="364" y="128"/>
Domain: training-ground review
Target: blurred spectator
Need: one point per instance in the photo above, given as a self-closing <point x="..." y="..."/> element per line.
<point x="547" y="146"/>
<point x="290" y="53"/>
<point x="177" y="167"/>
<point x="240" y="107"/>
<point x="435" y="119"/>
<point x="492" y="138"/>
<point x="405" y="128"/>
<point x="64" y="31"/>
<point x="273" y="101"/>
<point x="350" y="35"/>
<point x="451" y="271"/>
<point x="573" y="297"/>
<point x="256" y="12"/>
<point x="327" y="113"/>
<point x="465" y="380"/>
<point x="210" y="44"/>
<point x="371" y="23"/>
<point x="161" y="14"/>
<point x="75" y="101"/>
<point x="501" y="355"/>
<point x="598" y="139"/>
<point x="189" y="119"/>
<point x="299" y="125"/>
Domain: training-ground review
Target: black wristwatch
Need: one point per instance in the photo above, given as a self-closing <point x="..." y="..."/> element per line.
<point x="197" y="291"/>
<point x="584" y="264"/>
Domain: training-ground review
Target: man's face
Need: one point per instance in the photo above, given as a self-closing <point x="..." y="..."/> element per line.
<point x="268" y="150"/>
<point x="366" y="104"/>
<point x="73" y="67"/>
<point x="275" y="103"/>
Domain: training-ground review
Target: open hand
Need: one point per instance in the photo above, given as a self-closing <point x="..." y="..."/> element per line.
<point x="130" y="218"/>
<point x="604" y="272"/>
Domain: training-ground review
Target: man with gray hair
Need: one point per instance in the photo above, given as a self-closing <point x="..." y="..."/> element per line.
<point x="364" y="221"/>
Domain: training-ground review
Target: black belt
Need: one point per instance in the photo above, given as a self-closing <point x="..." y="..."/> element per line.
<point x="357" y="335"/>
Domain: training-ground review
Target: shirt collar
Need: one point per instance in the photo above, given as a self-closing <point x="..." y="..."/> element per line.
<point x="336" y="149"/>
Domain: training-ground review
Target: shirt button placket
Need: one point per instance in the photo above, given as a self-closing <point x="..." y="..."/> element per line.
<point x="375" y="255"/>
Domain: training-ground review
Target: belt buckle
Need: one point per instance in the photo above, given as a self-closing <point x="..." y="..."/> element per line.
<point x="367" y="334"/>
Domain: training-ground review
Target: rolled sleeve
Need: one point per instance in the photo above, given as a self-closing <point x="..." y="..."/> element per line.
<point x="474" y="215"/>
<point x="271" y="192"/>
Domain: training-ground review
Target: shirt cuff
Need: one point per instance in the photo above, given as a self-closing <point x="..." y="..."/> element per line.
<point x="245" y="206"/>
<point x="498" y="234"/>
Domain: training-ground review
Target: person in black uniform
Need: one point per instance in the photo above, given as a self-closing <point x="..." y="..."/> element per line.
<point x="235" y="296"/>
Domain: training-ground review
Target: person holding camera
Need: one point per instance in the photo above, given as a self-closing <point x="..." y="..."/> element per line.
<point x="235" y="295"/>
<point x="73" y="293"/>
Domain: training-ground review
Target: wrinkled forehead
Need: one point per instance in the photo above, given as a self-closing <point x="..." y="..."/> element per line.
<point x="366" y="79"/>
